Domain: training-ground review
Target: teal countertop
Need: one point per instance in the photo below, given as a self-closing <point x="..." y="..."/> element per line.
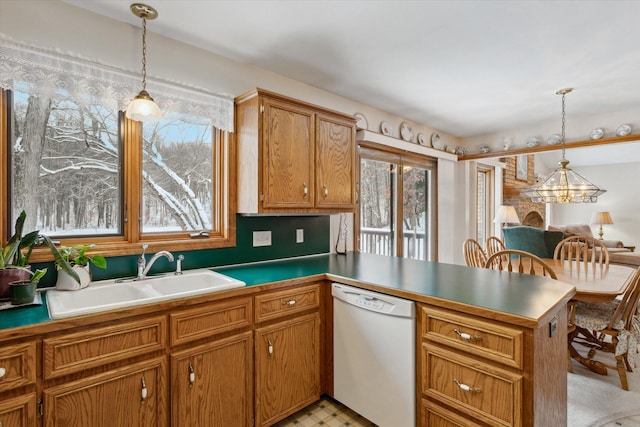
<point x="524" y="296"/>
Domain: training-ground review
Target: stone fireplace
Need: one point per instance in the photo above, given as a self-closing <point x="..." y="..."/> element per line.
<point x="516" y="177"/>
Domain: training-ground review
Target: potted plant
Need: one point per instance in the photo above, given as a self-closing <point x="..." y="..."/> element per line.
<point x="72" y="263"/>
<point x="14" y="258"/>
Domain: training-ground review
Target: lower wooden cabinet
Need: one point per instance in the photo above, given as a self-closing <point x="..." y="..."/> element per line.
<point x="18" y="411"/>
<point x="287" y="367"/>
<point x="212" y="384"/>
<point x="133" y="395"/>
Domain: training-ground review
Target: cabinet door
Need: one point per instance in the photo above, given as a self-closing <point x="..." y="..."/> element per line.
<point x="287" y="368"/>
<point x="287" y="152"/>
<point x="212" y="384"/>
<point x="134" y="395"/>
<point x="18" y="411"/>
<point x="335" y="163"/>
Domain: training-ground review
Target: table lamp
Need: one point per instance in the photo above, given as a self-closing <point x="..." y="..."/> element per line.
<point x="601" y="218"/>
<point x="506" y="215"/>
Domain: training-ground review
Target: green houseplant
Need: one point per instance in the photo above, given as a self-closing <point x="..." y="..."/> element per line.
<point x="72" y="263"/>
<point x="14" y="257"/>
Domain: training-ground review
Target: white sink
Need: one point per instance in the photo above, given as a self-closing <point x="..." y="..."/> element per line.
<point x="109" y="294"/>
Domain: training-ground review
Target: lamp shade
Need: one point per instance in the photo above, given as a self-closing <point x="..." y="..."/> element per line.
<point x="143" y="108"/>
<point x="601" y="218"/>
<point x="506" y="215"/>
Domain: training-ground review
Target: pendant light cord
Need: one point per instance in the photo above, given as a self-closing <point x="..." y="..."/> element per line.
<point x="563" y="96"/>
<point x="144" y="55"/>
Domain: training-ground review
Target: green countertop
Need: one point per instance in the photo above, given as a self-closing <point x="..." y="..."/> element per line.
<point x="523" y="296"/>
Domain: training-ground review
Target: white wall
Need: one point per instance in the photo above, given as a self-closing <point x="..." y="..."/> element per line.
<point x="622" y="201"/>
<point x="57" y="25"/>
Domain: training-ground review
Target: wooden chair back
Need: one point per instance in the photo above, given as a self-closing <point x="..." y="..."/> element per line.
<point x="494" y="244"/>
<point x="628" y="306"/>
<point x="519" y="261"/>
<point x="582" y="251"/>
<point x="474" y="255"/>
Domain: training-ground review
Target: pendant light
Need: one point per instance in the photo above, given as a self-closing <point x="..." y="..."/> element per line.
<point x="143" y="108"/>
<point x="564" y="185"/>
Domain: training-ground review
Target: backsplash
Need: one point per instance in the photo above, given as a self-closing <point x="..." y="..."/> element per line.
<point x="283" y="245"/>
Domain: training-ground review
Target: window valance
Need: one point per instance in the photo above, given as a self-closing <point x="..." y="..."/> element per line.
<point x="52" y="73"/>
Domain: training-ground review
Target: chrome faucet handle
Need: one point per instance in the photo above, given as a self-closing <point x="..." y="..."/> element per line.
<point x="179" y="265"/>
<point x="142" y="261"/>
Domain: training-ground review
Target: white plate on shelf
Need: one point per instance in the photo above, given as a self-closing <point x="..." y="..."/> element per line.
<point x="623" y="130"/>
<point x="406" y="133"/>
<point x="532" y="142"/>
<point x="435" y="141"/>
<point x="385" y="128"/>
<point x="421" y="139"/>
<point x="362" y="122"/>
<point x="597" y="133"/>
<point x="554" y="139"/>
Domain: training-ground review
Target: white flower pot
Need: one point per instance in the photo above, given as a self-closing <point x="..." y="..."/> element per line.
<point x="68" y="283"/>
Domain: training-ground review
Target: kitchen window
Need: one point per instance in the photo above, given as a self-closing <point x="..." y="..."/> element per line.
<point x="84" y="173"/>
<point x="396" y="204"/>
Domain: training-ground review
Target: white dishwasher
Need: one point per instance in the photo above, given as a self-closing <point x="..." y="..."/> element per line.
<point x="374" y="355"/>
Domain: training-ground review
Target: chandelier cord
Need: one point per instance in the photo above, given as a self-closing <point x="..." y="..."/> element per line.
<point x="563" y="124"/>
<point x="144" y="56"/>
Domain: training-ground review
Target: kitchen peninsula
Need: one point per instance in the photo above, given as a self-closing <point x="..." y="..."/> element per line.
<point x="518" y="348"/>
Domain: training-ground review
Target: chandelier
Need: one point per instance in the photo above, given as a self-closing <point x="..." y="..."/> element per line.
<point x="564" y="185"/>
<point x="143" y="108"/>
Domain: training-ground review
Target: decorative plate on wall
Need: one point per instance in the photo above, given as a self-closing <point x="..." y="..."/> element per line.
<point x="435" y="141"/>
<point x="623" y="130"/>
<point x="406" y="133"/>
<point x="362" y="121"/>
<point x="385" y="128"/>
<point x="554" y="139"/>
<point x="421" y="139"/>
<point x="597" y="133"/>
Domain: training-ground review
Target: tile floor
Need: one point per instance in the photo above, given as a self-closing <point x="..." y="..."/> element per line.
<point x="325" y="412"/>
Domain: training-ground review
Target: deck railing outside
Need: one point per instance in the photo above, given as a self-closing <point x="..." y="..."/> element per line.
<point x="380" y="241"/>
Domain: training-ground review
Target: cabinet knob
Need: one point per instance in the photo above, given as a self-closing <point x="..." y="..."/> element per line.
<point x="305" y="190"/>
<point x="465" y="387"/>
<point x="325" y="191"/>
<point x="290" y="302"/>
<point x="3" y="372"/>
<point x="270" y="347"/>
<point x="192" y="375"/>
<point x="143" y="392"/>
<point x="466" y="336"/>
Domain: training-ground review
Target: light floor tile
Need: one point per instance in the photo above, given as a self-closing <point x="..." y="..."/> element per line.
<point x="327" y="413"/>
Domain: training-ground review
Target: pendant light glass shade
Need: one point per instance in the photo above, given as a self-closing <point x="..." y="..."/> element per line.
<point x="143" y="108"/>
<point x="564" y="185"/>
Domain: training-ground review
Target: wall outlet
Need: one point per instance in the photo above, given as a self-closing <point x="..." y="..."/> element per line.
<point x="261" y="238"/>
<point x="300" y="235"/>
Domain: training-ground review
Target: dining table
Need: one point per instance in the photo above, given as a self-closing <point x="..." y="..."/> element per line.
<point x="593" y="283"/>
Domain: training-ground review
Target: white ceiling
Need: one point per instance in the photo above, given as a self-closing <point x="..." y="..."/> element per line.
<point x="463" y="67"/>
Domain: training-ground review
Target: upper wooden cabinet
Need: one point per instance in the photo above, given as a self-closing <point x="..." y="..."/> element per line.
<point x="293" y="157"/>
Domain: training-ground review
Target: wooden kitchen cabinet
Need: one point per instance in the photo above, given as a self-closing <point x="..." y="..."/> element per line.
<point x="18" y="411"/>
<point x="467" y="361"/>
<point x="133" y="395"/>
<point x="287" y="353"/>
<point x="211" y="385"/>
<point x="293" y="156"/>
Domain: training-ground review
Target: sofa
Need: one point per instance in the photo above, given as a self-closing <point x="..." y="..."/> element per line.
<point x="584" y="230"/>
<point x="534" y="240"/>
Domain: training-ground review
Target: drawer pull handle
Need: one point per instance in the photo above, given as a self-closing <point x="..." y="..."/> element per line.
<point x="465" y="387"/>
<point x="270" y="348"/>
<point x="305" y="190"/>
<point x="3" y="372"/>
<point x="325" y="191"/>
<point x="289" y="303"/>
<point x="192" y="375"/>
<point x="143" y="393"/>
<point x="466" y="336"/>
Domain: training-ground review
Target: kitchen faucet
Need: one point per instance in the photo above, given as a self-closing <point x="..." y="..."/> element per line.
<point x="144" y="266"/>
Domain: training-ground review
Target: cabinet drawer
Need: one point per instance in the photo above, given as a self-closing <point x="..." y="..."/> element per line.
<point x="489" y="394"/>
<point x="477" y="336"/>
<point x="281" y="303"/>
<point x="75" y="352"/>
<point x="202" y="322"/>
<point x="437" y="416"/>
<point x="17" y="365"/>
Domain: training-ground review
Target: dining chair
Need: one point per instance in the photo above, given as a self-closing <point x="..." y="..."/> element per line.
<point x="582" y="251"/>
<point x="611" y="327"/>
<point x="519" y="261"/>
<point x="474" y="255"/>
<point x="494" y="244"/>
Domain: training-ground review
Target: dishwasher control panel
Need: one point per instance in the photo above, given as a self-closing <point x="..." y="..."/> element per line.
<point x="373" y="301"/>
